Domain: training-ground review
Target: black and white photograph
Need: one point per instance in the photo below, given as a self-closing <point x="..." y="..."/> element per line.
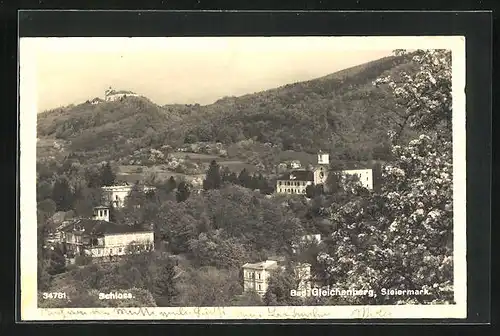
<point x="242" y="177"/>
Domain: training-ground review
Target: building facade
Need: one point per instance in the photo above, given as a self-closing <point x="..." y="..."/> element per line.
<point x="98" y="238"/>
<point x="365" y="176"/>
<point x="116" y="195"/>
<point x="295" y="182"/>
<point x="256" y="276"/>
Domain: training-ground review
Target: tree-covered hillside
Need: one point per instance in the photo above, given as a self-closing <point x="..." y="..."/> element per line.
<point x="344" y="113"/>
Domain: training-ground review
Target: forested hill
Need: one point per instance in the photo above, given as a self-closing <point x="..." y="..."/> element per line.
<point x="341" y="112"/>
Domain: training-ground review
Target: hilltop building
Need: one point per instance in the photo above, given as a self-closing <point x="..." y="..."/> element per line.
<point x="256" y="275"/>
<point x="113" y="95"/>
<point x="116" y="195"/>
<point x="100" y="238"/>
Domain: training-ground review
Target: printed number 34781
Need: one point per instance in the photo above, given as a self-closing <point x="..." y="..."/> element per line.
<point x="54" y="295"/>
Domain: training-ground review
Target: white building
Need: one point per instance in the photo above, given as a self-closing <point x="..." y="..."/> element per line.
<point x="100" y="239"/>
<point x="116" y="195"/>
<point x="365" y="176"/>
<point x="113" y="95"/>
<point x="256" y="276"/>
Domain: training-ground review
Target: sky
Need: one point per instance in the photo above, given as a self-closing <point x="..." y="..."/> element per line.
<point x="185" y="70"/>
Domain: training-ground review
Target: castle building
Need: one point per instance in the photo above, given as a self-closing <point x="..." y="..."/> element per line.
<point x="113" y="95"/>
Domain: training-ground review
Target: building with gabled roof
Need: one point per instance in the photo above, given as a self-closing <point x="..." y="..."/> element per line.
<point x="101" y="238"/>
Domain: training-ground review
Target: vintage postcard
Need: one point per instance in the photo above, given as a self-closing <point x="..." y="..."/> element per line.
<point x="235" y="178"/>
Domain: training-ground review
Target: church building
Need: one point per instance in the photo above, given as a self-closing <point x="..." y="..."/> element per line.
<point x="296" y="181"/>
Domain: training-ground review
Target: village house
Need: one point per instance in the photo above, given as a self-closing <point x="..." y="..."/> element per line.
<point x="116" y="195"/>
<point x="256" y="276"/>
<point x="101" y="238"/>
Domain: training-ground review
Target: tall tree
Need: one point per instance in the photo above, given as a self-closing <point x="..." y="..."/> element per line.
<point x="164" y="290"/>
<point x="107" y="175"/>
<point x="213" y="178"/>
<point x="62" y="194"/>
<point x="244" y="178"/>
<point x="171" y="184"/>
<point x="183" y="191"/>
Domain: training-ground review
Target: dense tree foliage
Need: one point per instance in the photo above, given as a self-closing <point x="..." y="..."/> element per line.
<point x="401" y="238"/>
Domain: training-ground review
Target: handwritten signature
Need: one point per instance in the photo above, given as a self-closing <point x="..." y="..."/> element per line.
<point x="218" y="312"/>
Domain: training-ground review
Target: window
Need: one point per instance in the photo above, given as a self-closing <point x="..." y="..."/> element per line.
<point x="259" y="287"/>
<point x="258" y="276"/>
<point x="279" y="182"/>
<point x="120" y="250"/>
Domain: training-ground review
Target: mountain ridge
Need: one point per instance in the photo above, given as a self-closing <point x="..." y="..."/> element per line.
<point x="335" y="112"/>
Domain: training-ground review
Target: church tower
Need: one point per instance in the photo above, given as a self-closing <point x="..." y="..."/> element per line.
<point x="323" y="158"/>
<point x="321" y="171"/>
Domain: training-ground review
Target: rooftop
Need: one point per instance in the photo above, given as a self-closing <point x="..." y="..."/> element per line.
<point x="268" y="264"/>
<point x="299" y="175"/>
<point x="112" y="92"/>
<point x="98" y="227"/>
<point x="101" y="207"/>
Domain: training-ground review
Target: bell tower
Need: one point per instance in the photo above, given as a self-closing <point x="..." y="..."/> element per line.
<point x="323" y="158"/>
<point x="321" y="171"/>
